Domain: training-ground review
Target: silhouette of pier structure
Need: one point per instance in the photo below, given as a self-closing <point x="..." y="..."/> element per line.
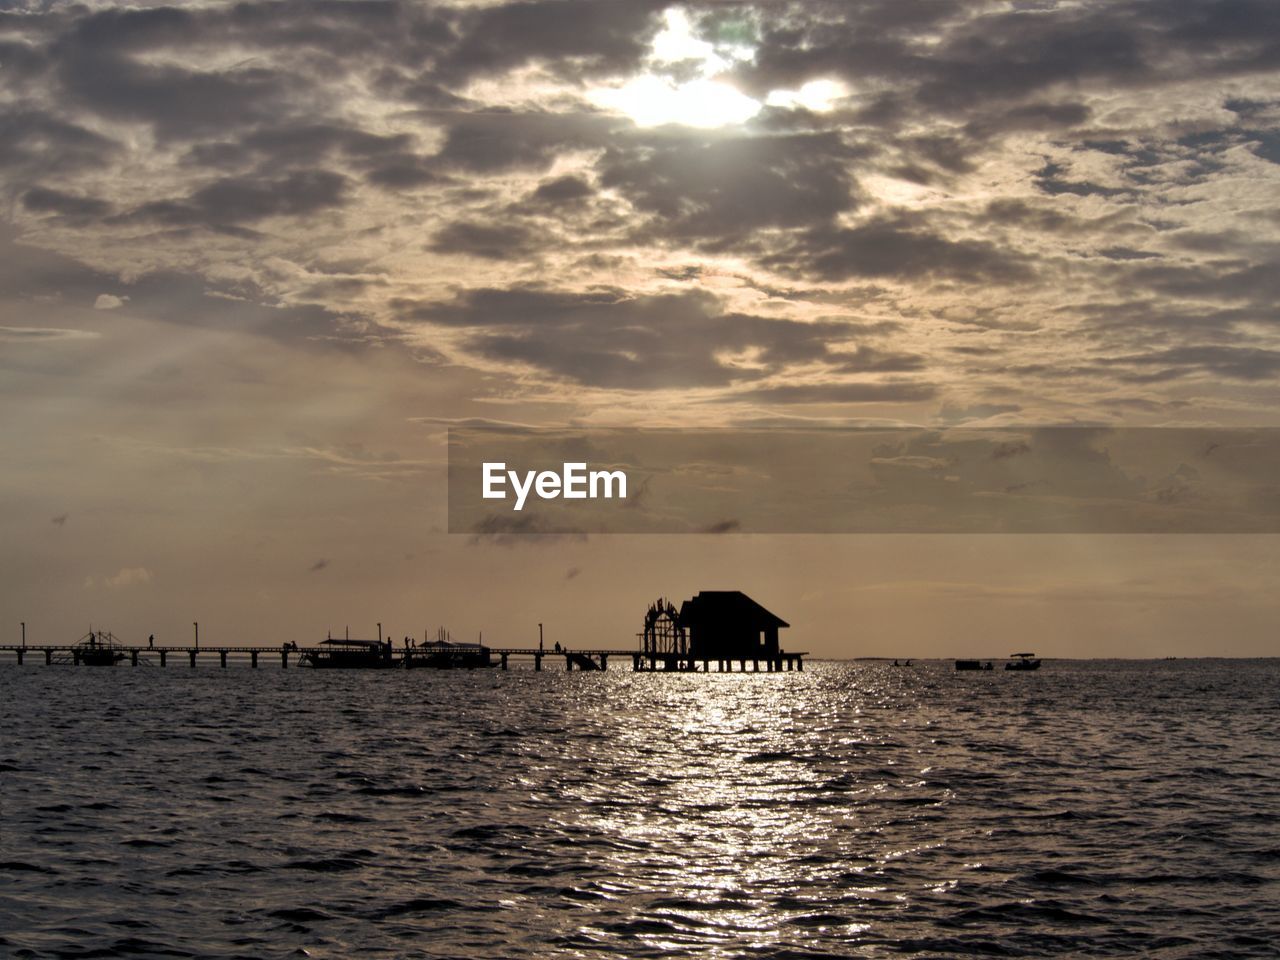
<point x="720" y="627"/>
<point x="716" y="628"/>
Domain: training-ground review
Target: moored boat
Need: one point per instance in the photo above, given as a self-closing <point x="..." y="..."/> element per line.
<point x="1022" y="661"/>
<point x="351" y="654"/>
<point x="448" y="655"/>
<point x="98" y="649"/>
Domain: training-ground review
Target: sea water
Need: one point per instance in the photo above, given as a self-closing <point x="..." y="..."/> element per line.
<point x="852" y="810"/>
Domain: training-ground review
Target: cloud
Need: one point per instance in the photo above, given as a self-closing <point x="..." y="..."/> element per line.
<point x="44" y="334"/>
<point x="60" y="520"/>
<point x="236" y="200"/>
<point x="499" y="141"/>
<point x="561" y="190"/>
<point x="108" y="301"/>
<point x="38" y="143"/>
<point x="124" y="578"/>
<point x="490" y="241"/>
<point x="43" y="200"/>
<point x="576" y="38"/>
<point x="318" y="565"/>
<point x="716" y="189"/>
<point x="723" y="526"/>
<point x="1236" y="363"/>
<point x="840" y="393"/>
<point x="1086" y="171"/>
<point x="899" y="248"/>
<point x="607" y="338"/>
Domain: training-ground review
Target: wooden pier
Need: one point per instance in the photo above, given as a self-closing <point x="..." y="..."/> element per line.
<point x="582" y="660"/>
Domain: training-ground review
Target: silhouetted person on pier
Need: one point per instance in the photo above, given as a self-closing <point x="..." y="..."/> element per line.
<point x="557" y="646"/>
<point x="151" y="641"/>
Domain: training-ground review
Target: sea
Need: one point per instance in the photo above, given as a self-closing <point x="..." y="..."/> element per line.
<point x="855" y="809"/>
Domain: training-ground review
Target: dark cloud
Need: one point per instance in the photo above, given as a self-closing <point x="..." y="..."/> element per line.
<point x="169" y="297"/>
<point x="176" y="102"/>
<point x="561" y="190"/>
<point x="318" y="566"/>
<point x="1259" y="282"/>
<point x="41" y="144"/>
<point x="300" y="144"/>
<point x="1048" y="178"/>
<point x="900" y="248"/>
<point x="717" y="189"/>
<point x="236" y="200"/>
<point x="723" y="526"/>
<point x="871" y="360"/>
<point x="501" y="140"/>
<point x="493" y="241"/>
<point x="605" y="338"/>
<point x="841" y="393"/>
<point x="1236" y="363"/>
<point x="575" y="38"/>
<point x="404" y="172"/>
<point x="43" y="200"/>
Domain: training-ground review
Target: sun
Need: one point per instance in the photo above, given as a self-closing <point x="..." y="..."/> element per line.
<point x="685" y="83"/>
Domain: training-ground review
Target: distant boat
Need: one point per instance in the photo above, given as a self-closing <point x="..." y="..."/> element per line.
<point x="351" y="655"/>
<point x="972" y="665"/>
<point x="1022" y="661"/>
<point x="98" y="650"/>
<point x="448" y="655"/>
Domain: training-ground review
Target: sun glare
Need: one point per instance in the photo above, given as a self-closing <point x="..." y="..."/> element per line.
<point x="685" y="83"/>
<point x="652" y="101"/>
<point x="818" y="96"/>
<point x="703" y="100"/>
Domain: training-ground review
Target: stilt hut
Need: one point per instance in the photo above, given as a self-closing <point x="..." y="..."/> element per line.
<point x="729" y="625"/>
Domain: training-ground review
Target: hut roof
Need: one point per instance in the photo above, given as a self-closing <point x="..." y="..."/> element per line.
<point x="711" y="606"/>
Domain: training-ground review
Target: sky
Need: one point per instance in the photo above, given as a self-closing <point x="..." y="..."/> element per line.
<point x="257" y="258"/>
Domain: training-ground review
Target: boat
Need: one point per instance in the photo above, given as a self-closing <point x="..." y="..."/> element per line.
<point x="448" y="655"/>
<point x="349" y="654"/>
<point x="972" y="665"/>
<point x="1022" y="661"/>
<point x="98" y="649"/>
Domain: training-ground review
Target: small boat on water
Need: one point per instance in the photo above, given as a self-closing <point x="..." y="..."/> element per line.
<point x="98" y="649"/>
<point x="351" y="654"/>
<point x="1022" y="661"/>
<point x="972" y="665"/>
